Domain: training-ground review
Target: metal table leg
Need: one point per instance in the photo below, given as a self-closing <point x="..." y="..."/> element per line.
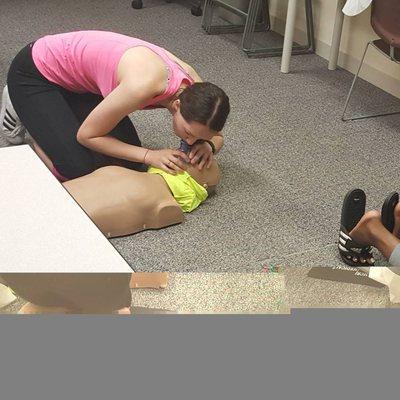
<point x="337" y="35"/>
<point x="251" y="25"/>
<point x="289" y="32"/>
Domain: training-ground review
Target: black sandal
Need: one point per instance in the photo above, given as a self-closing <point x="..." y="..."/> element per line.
<point x="388" y="207"/>
<point x="351" y="252"/>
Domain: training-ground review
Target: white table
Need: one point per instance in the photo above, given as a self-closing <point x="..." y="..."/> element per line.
<point x="289" y="32"/>
<point x="42" y="228"/>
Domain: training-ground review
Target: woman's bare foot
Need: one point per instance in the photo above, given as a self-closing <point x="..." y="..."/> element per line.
<point x="368" y="228"/>
<point x="396" y="230"/>
<point x="371" y="232"/>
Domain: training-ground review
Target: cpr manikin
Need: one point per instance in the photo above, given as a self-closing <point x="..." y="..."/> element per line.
<point x="121" y="201"/>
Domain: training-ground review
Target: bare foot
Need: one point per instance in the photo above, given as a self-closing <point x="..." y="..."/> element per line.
<point x="396" y="230"/>
<point x="365" y="232"/>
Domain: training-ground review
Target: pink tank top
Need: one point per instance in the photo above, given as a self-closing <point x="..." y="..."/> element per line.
<point x="87" y="61"/>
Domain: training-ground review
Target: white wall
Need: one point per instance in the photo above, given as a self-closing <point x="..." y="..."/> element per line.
<point x="357" y="32"/>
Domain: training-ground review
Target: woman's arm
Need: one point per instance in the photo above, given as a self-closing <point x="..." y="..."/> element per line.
<point x="127" y="97"/>
<point x="218" y="141"/>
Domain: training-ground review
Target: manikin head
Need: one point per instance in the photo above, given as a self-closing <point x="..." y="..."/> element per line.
<point x="200" y="112"/>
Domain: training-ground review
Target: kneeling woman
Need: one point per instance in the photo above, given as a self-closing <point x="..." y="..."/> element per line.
<point x="73" y="92"/>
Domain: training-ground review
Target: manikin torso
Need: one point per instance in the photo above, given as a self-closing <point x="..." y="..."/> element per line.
<point x="121" y="201"/>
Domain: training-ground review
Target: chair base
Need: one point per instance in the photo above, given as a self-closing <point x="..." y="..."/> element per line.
<point x="195" y="8"/>
<point x="357" y="117"/>
<point x="388" y="51"/>
<point x="277" y="52"/>
<point x="251" y="26"/>
<point x="137" y="4"/>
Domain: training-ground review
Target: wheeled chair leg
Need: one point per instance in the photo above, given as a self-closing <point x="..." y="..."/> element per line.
<point x="137" y="4"/>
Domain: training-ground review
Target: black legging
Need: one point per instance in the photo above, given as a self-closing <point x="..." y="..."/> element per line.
<point x="52" y="115"/>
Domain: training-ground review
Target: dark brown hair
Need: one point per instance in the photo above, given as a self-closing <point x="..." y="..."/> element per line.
<point x="205" y="103"/>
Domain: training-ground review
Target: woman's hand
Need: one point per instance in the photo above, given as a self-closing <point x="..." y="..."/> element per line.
<point x="201" y="153"/>
<point x="169" y="160"/>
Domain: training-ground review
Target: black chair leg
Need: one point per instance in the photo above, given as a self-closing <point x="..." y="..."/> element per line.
<point x="196" y="9"/>
<point x="137" y="4"/>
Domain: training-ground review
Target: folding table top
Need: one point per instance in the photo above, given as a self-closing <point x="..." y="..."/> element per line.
<point x="42" y="228"/>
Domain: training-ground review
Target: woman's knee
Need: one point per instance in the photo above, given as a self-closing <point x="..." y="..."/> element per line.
<point x="74" y="170"/>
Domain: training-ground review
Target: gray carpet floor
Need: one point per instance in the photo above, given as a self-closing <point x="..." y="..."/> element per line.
<point x="288" y="158"/>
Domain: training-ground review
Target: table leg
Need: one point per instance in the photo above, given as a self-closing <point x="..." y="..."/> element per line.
<point x="289" y="32"/>
<point x="337" y="34"/>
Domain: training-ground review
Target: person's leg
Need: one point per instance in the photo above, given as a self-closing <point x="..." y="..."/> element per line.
<point x="46" y="115"/>
<point x="394" y="259"/>
<point x="126" y="132"/>
<point x="370" y="231"/>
